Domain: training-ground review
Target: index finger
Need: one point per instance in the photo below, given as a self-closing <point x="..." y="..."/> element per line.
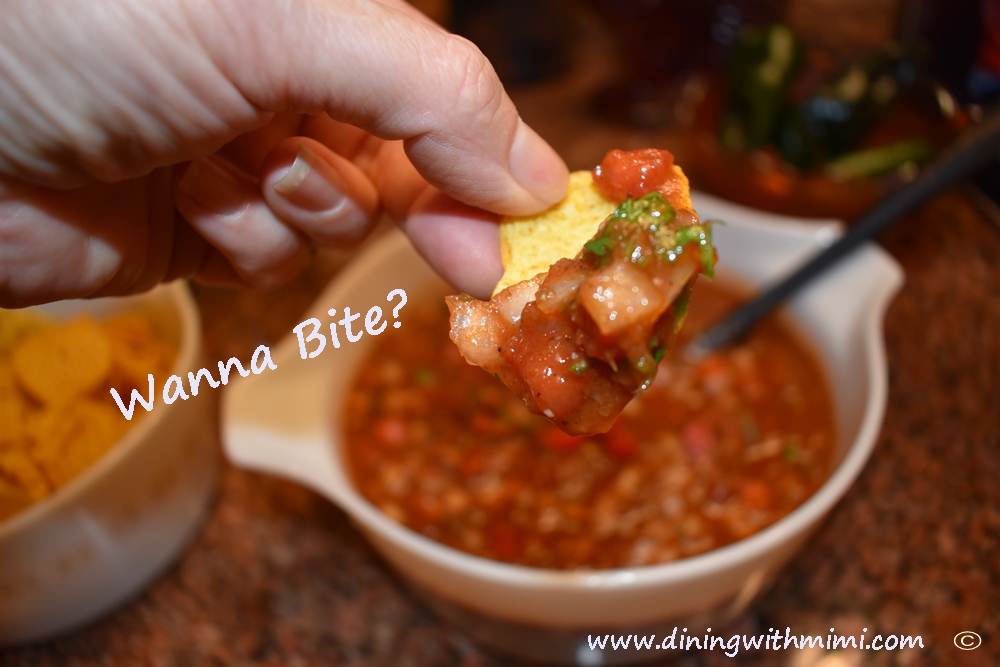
<point x="399" y="78"/>
<point x="461" y="242"/>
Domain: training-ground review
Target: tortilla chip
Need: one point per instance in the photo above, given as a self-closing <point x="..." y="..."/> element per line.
<point x="66" y="441"/>
<point x="56" y="418"/>
<point x="63" y="362"/>
<point x="136" y="349"/>
<point x="530" y="245"/>
<point x="20" y="477"/>
<point x="13" y="407"/>
<point x="16" y="324"/>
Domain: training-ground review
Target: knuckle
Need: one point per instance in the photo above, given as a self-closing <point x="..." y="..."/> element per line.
<point x="479" y="91"/>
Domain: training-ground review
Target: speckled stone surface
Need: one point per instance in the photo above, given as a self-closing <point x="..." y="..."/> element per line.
<point x="278" y="577"/>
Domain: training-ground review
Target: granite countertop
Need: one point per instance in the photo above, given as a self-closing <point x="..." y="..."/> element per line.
<point x="277" y="576"/>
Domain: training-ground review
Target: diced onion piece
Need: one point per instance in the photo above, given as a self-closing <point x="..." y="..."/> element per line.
<point x="477" y="329"/>
<point x="671" y="283"/>
<point x="512" y="300"/>
<point x="560" y="289"/>
<point x="620" y="296"/>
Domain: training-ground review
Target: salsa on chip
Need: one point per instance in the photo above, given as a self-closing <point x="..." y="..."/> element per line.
<point x="594" y="291"/>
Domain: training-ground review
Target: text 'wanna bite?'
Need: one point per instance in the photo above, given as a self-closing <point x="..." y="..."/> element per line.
<point x="353" y="330"/>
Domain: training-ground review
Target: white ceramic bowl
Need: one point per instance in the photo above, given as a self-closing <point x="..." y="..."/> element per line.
<point x="101" y="538"/>
<point x="288" y="423"/>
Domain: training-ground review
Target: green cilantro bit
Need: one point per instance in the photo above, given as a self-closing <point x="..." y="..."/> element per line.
<point x="681" y="307"/>
<point x="600" y="246"/>
<point x="748" y="425"/>
<point x="652" y="211"/>
<point x="659" y="353"/>
<point x="644" y="365"/>
<point x="681" y="303"/>
<point x="791" y="453"/>
<point x="580" y="366"/>
<point x="674" y="241"/>
<point x="424" y="377"/>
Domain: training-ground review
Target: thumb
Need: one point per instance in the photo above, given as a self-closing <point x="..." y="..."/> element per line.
<point x="398" y="77"/>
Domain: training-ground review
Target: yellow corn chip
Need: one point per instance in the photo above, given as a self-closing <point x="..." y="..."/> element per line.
<point x="136" y="350"/>
<point x="13" y="407"/>
<point x="62" y="362"/>
<point x="530" y="245"/>
<point x="21" y="482"/>
<point x="15" y="324"/>
<point x="69" y="439"/>
<point x="20" y="478"/>
<point x="55" y="419"/>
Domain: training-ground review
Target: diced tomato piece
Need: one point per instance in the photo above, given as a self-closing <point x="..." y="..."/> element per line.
<point x="484" y="424"/>
<point x="368" y="457"/>
<point x="560" y="441"/>
<point x="777" y="183"/>
<point x="714" y="364"/>
<point x="430" y="507"/>
<point x="756" y="494"/>
<point x="716" y="373"/>
<point x="541" y="352"/>
<point x="620" y="441"/>
<point x="699" y="439"/>
<point x="504" y="541"/>
<point x="391" y="431"/>
<point x="623" y="175"/>
<point x="473" y="464"/>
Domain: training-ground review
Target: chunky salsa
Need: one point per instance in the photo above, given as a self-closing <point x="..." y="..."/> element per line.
<point x="578" y="342"/>
<point x="711" y="453"/>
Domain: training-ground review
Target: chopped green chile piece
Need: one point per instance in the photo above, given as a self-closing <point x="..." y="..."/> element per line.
<point x="600" y="246"/>
<point x="652" y="211"/>
<point x="877" y="161"/>
<point x="681" y="304"/>
<point x="675" y="241"/>
<point x="424" y="376"/>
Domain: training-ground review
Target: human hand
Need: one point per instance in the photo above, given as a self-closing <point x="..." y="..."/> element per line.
<point x="144" y="141"/>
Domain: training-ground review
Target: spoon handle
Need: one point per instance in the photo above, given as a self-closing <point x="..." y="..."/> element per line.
<point x="972" y="149"/>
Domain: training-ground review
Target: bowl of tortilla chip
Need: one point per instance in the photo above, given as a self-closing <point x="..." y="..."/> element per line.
<point x="93" y="504"/>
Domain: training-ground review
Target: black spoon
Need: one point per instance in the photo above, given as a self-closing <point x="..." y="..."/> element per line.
<point x="972" y="149"/>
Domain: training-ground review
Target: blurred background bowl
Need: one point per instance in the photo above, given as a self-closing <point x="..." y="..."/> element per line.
<point x="107" y="533"/>
<point x="289" y="423"/>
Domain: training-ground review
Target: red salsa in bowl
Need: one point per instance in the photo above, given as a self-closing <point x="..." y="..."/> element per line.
<point x="711" y="453"/>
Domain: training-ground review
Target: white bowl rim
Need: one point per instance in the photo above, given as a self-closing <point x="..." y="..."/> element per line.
<point x="190" y="341"/>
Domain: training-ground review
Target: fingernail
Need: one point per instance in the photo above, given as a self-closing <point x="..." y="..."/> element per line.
<point x="537" y="166"/>
<point x="310" y="183"/>
<point x="218" y="185"/>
